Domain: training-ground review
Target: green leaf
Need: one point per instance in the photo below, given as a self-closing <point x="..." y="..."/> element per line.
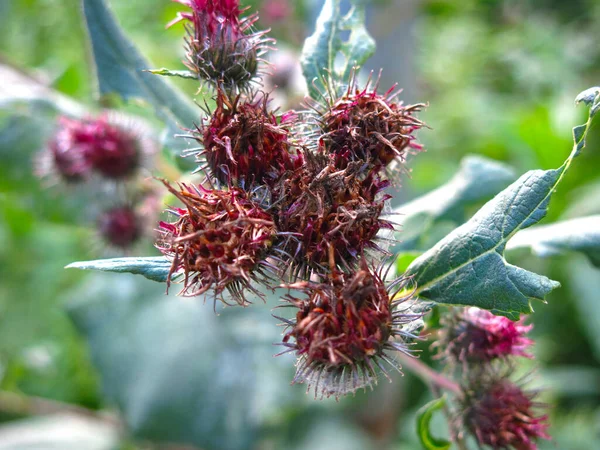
<point x="318" y="53"/>
<point x="579" y="235"/>
<point x="322" y="47"/>
<point x="467" y="267"/>
<point x="424" y="416"/>
<point x="153" y="268"/>
<point x="121" y="69"/>
<point x="360" y="45"/>
<point x="174" y="73"/>
<point x="178" y="372"/>
<point x="478" y="179"/>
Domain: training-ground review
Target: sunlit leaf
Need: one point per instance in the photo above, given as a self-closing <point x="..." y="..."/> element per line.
<point x="467" y="267"/>
<point x="322" y="47"/>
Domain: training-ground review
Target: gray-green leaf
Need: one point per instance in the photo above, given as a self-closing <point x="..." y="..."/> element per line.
<point x="123" y="70"/>
<point x="579" y="235"/>
<point x="467" y="267"/>
<point x="478" y="179"/>
<point x="322" y="47"/>
<point x="153" y="268"/>
<point x="178" y="372"/>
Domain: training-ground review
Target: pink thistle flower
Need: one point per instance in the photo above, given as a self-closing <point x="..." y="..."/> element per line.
<point x="81" y="147"/>
<point x="500" y="414"/>
<point x="219" y="241"/>
<point x="245" y="144"/>
<point x="120" y="227"/>
<point x="478" y="336"/>
<point x="221" y="46"/>
<point x="323" y="207"/>
<point x="345" y="329"/>
<point x="362" y="125"/>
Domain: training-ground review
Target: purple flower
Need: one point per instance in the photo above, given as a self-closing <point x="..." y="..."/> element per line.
<point x="120" y="227"/>
<point x="345" y="328"/>
<point x="500" y="414"/>
<point x="477" y="336"/>
<point x="221" y="46"/>
<point x="218" y="242"/>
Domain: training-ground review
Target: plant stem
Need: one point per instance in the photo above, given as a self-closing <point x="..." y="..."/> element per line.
<point x="428" y="374"/>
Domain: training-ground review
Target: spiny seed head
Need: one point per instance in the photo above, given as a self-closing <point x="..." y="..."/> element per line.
<point x="83" y="146"/>
<point x="120" y="226"/>
<point x="475" y="336"/>
<point x="219" y="242"/>
<point x="321" y="206"/>
<point x="344" y="329"/>
<point x="245" y="144"/>
<point x="501" y="415"/>
<point x="362" y="125"/>
<point x="221" y="46"/>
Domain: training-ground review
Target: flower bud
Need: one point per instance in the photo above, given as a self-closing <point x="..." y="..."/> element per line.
<point x="501" y="415"/>
<point x="475" y="336"/>
<point x="81" y="147"/>
<point x="245" y="144"/>
<point x="344" y="329"/>
<point x="219" y="241"/>
<point x="322" y="207"/>
<point x="362" y="125"/>
<point x="120" y="227"/>
<point x="221" y="46"/>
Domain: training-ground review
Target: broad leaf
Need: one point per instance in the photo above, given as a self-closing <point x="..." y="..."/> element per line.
<point x="478" y="179"/>
<point x="360" y="45"/>
<point x="153" y="268"/>
<point x="579" y="235"/>
<point x="467" y="267"/>
<point x="322" y="47"/>
<point x="424" y="415"/>
<point x="178" y="372"/>
<point x="318" y="53"/>
<point x="123" y="70"/>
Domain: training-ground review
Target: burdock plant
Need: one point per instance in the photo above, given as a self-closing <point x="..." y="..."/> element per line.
<point x="299" y="201"/>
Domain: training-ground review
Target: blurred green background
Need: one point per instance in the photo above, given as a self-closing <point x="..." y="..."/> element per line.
<point x="500" y="77"/>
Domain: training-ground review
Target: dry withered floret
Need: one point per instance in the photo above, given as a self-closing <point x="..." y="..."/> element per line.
<point x="322" y="206"/>
<point x="219" y="241"/>
<point x="476" y="336"/>
<point x="222" y="48"/>
<point x="120" y="226"/>
<point x="362" y="125"/>
<point x="245" y="144"/>
<point x="81" y="147"/>
<point x="502" y="415"/>
<point x="345" y="327"/>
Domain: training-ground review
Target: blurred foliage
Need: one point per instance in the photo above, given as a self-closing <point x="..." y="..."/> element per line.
<point x="500" y="77"/>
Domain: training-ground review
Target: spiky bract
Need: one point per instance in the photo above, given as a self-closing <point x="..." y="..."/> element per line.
<point x="323" y="207"/>
<point x="245" y="144"/>
<point x="221" y="46"/>
<point x="344" y="329"/>
<point x="102" y="146"/>
<point x="475" y="336"/>
<point x="120" y="226"/>
<point x="502" y="415"/>
<point x="360" y="125"/>
<point x="218" y="242"/>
